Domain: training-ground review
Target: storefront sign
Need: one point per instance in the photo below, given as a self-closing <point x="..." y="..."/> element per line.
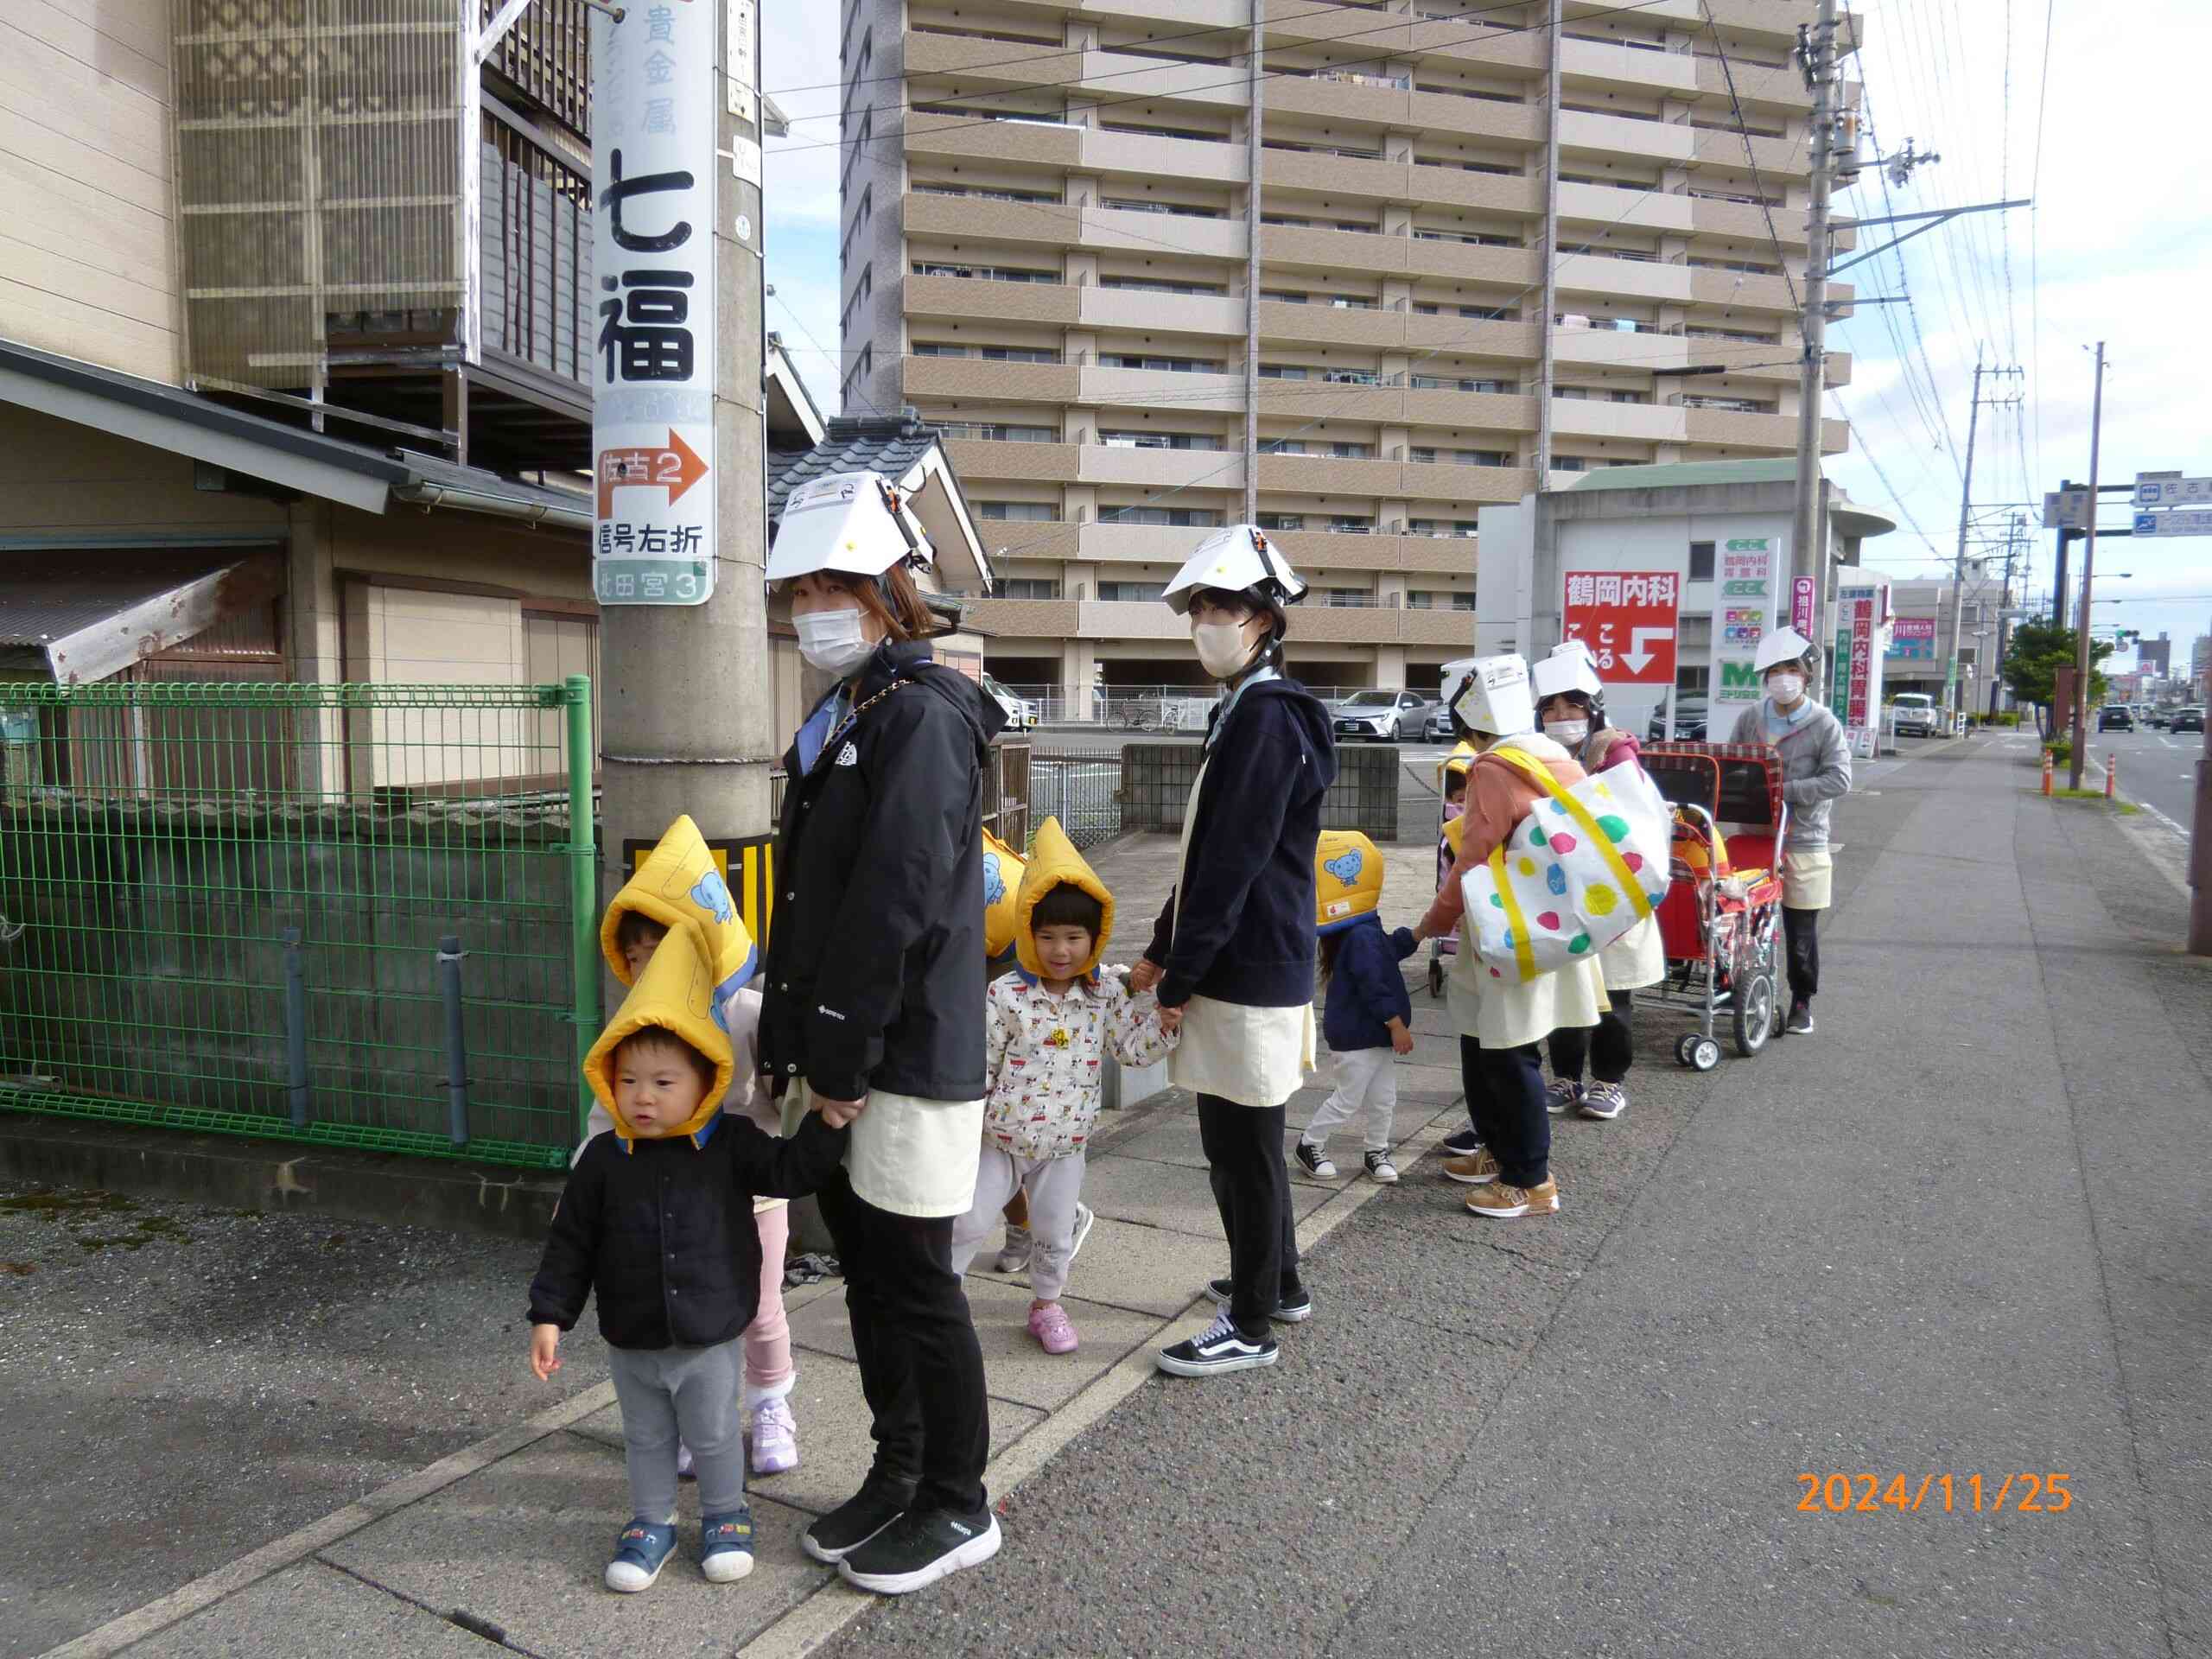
<point x="1913" y="638"/>
<point x="1802" y="592"/>
<point x="1628" y="619"/>
<point x="1862" y="658"/>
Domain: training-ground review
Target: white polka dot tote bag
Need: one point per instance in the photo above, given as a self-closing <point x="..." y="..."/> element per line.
<point x="1585" y="866"/>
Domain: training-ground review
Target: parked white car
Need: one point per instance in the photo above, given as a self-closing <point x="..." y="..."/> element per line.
<point x="1021" y="713"/>
<point x="1915" y="712"/>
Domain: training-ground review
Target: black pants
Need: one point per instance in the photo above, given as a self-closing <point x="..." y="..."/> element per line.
<point x="1505" y="1098"/>
<point x="921" y="1367"/>
<point x="1251" y="1185"/>
<point x="1801" y="931"/>
<point x="1609" y="1053"/>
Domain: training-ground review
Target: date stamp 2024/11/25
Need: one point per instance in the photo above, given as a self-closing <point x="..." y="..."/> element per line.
<point x="1865" y="1494"/>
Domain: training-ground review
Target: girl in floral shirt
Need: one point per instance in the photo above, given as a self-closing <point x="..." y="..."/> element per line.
<point x="1049" y="1026"/>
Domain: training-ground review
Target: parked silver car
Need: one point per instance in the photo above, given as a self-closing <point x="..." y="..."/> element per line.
<point x="1381" y="716"/>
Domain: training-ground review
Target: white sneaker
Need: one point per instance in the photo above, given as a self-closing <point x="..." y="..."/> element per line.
<point x="1084" y="1217"/>
<point x="1381" y="1170"/>
<point x="1310" y="1160"/>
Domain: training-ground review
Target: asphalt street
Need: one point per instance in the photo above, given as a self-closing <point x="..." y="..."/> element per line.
<point x="1955" y="1237"/>
<point x="2157" y="769"/>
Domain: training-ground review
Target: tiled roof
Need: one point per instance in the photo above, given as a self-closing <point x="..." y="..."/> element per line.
<point x="887" y="446"/>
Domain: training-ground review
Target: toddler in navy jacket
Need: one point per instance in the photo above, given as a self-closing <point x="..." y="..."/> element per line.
<point x="1368" y="1021"/>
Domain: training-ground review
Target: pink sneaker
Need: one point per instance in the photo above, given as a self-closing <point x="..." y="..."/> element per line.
<point x="1049" y="1325"/>
<point x="775" y="1438"/>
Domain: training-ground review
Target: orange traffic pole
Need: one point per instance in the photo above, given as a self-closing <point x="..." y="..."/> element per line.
<point x="2046" y="771"/>
<point x="2112" y="773"/>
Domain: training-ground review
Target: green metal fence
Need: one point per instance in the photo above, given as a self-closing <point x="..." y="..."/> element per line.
<point x="363" y="915"/>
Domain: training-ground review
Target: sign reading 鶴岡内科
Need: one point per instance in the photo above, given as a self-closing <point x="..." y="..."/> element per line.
<point x="653" y="179"/>
<point x="1629" y="620"/>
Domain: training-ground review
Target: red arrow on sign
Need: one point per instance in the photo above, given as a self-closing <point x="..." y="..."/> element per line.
<point x="675" y="469"/>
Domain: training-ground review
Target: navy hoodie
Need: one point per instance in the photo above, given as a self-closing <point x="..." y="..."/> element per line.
<point x="1245" y="934"/>
<point x="1366" y="990"/>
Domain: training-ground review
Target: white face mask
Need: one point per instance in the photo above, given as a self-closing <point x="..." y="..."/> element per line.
<point x="1786" y="689"/>
<point x="832" y="640"/>
<point x="1569" y="732"/>
<point x="1221" y="646"/>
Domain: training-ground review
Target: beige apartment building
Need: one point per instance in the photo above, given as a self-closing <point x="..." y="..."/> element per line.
<point x="1480" y="245"/>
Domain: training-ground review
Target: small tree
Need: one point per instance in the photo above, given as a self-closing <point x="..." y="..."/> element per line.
<point x="2036" y="652"/>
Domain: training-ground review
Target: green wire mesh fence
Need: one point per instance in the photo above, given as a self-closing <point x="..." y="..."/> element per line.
<point x="362" y="915"/>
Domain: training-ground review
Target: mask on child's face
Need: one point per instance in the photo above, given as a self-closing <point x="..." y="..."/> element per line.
<point x="1569" y="732"/>
<point x="1453" y="809"/>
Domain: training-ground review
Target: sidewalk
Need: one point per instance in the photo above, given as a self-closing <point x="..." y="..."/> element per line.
<point x="507" y="1539"/>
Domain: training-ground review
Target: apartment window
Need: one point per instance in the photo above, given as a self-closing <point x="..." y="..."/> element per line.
<point x="938" y="348"/>
<point x="1344" y="524"/>
<point x="984" y="273"/>
<point x="1570" y="463"/>
<point x="1168" y="518"/>
<point x="1701" y="560"/>
<point x="1284" y="296"/>
<point x="1164" y="132"/>
<point x="1028" y="512"/>
<point x="1283" y="371"/>
<point x="1441" y="526"/>
<point x="1019" y="354"/>
<point x="1484" y="457"/>
<point x="996" y="432"/>
<point x="1351" y="451"/>
<point x="1346" y="302"/>
<point x="1160" y="285"/>
<point x="1631" y="397"/>
<point x="1282" y="521"/>
<point x="1445" y="383"/>
<point x="1160" y="440"/>
<point x="1438" y="599"/>
<point x="1572" y="394"/>
<point x="1179" y="210"/>
<point x="1284" y="447"/>
<point x="1131" y="592"/>
<point x="1347" y="596"/>
<point x="1167" y="365"/>
<point x="1028" y="588"/>
<point x="1693" y="681"/>
<point x="1479" y="313"/>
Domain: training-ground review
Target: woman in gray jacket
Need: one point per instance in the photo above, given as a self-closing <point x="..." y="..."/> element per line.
<point x="1815" y="769"/>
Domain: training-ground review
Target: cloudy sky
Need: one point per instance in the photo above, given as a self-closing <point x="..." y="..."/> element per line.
<point x="2119" y="247"/>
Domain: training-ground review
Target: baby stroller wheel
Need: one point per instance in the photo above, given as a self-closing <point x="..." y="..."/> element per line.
<point x="1436" y="975"/>
<point x="1754" y="1014"/>
<point x="1705" y="1054"/>
<point x="1686" y="1048"/>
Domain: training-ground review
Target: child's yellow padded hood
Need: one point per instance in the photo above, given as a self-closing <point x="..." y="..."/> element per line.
<point x="1052" y="861"/>
<point x="1347" y="880"/>
<point x="1003" y="873"/>
<point x="680" y="886"/>
<point x="676" y="993"/>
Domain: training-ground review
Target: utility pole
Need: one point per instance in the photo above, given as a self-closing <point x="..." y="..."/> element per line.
<point x="1965" y="513"/>
<point x="687" y="711"/>
<point x="1808" y="548"/>
<point x="2015" y="538"/>
<point x="1253" y="149"/>
<point x="2089" y="569"/>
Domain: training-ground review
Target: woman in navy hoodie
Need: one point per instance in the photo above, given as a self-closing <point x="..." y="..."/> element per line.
<point x="1232" y="956"/>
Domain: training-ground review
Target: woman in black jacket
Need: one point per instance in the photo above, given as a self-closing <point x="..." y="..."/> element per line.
<point x="874" y="987"/>
<point x="1233" y="953"/>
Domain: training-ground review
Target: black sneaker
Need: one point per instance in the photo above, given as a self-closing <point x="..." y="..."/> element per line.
<point x="920" y="1547"/>
<point x="1219" y="1347"/>
<point x="879" y="1501"/>
<point x="1462" y="1143"/>
<point x="1293" y="1309"/>
<point x="1801" y="1020"/>
<point x="1315" y="1162"/>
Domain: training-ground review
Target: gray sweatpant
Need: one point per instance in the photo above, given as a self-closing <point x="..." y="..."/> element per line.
<point x="691" y="1393"/>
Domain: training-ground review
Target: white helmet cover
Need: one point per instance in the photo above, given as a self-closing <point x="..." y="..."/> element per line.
<point x="1497" y="698"/>
<point x="1783" y="645"/>
<point x="1569" y="668"/>
<point x="855" y="524"/>
<point x="1451" y="679"/>
<point x="1238" y="559"/>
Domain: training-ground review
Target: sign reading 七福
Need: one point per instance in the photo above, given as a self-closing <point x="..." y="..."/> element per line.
<point x="653" y="176"/>
<point x="1629" y="620"/>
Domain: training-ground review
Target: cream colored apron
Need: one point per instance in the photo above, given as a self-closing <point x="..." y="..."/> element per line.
<point x="1253" y="1057"/>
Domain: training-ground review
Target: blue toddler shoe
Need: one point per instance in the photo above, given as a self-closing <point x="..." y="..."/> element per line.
<point x="725" y="1545"/>
<point x="640" y="1553"/>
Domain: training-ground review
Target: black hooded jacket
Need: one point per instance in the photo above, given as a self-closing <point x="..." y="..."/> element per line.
<point x="1245" y="933"/>
<point x="874" y="976"/>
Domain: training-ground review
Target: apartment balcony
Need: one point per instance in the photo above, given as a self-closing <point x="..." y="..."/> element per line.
<point x="1052" y="538"/>
<point x="1111" y="619"/>
<point x="1327" y="475"/>
<point x="1746" y="221"/>
<point x="1477" y="118"/>
<point x="1134" y="231"/>
<point x="1217" y="469"/>
<point x="1195" y="393"/>
<point x="1483" y="411"/>
<point x="321" y="194"/>
<point x="958" y="138"/>
<point x="1024" y="618"/>
<point x="1324" y="400"/>
<point x="1626" y="207"/>
<point x="1720" y="143"/>
<point x="1740" y="290"/>
<point x="1327" y="325"/>
<point x="1166" y="545"/>
<point x="1347" y="176"/>
<point x="1447" y="41"/>
<point x="975" y="459"/>
<point x="1469" y="262"/>
<point x="1450" y="482"/>
<point x="1758" y="86"/>
<point x="1617" y="278"/>
<point x="1216" y="317"/>
<point x="1335" y="100"/>
<point x="1775" y="22"/>
<point x="1437" y="628"/>
<point x="994" y="64"/>
<point x="1022" y="224"/>
<point x="1590" y="417"/>
<point x="1580" y="131"/>
<point x="1615" y="64"/>
<point x="1311" y="550"/>
<point x="1521" y="195"/>
<point x="1518" y="341"/>
<point x="1645" y="350"/>
<point x="1778" y="432"/>
<point x="987" y="381"/>
<point x="974" y="297"/>
<point x="1144" y="156"/>
<point x="1315" y="624"/>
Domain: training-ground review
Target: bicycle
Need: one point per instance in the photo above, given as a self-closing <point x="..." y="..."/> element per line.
<point x="1134" y="714"/>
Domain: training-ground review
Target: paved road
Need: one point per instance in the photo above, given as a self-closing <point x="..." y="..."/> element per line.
<point x="1958" y="1232"/>
<point x="2156" y="769"/>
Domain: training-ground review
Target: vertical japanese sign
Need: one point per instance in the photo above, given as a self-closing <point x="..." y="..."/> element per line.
<point x="1802" y="590"/>
<point x="1629" y="620"/>
<point x="1742" y="611"/>
<point x="1862" y="658"/>
<point x="653" y="125"/>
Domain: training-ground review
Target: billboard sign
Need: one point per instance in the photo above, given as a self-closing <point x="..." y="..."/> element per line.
<point x="653" y="178"/>
<point x="1913" y="638"/>
<point x="1629" y="620"/>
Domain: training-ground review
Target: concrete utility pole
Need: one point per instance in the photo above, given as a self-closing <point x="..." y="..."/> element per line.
<point x="2089" y="568"/>
<point x="1965" y="513"/>
<point x="1808" y="548"/>
<point x="2015" y="538"/>
<point x="1253" y="150"/>
<point x="686" y="720"/>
